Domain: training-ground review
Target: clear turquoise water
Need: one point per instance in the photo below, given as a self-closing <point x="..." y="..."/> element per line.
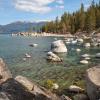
<point x="13" y="49"/>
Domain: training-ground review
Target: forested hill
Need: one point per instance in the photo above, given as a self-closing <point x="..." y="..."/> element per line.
<point x="79" y="21"/>
<point x="21" y="27"/>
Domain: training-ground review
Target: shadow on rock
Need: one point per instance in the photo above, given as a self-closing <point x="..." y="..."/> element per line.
<point x="13" y="90"/>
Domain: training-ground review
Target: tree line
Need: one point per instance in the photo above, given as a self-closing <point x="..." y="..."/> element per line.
<point x="79" y="21"/>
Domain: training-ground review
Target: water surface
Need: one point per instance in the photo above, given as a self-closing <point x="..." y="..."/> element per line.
<point x="13" y="49"/>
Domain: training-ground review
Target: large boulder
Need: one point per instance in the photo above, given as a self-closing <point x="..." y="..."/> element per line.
<point x="25" y="82"/>
<point x="58" y="46"/>
<point x="17" y="89"/>
<point x="13" y="90"/>
<point x="53" y="57"/>
<point x="93" y="83"/>
<point x="40" y="93"/>
<point x="4" y="72"/>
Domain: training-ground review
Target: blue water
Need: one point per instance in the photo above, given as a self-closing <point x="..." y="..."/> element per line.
<point x="13" y="49"/>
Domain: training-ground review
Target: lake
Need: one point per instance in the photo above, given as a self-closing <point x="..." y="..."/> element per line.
<point x="70" y="71"/>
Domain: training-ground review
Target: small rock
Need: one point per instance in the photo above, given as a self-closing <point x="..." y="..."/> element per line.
<point x="33" y="45"/>
<point x="85" y="55"/>
<point x="87" y="45"/>
<point x="87" y="58"/>
<point x="55" y="86"/>
<point x="97" y="55"/>
<point x="74" y="41"/>
<point x="80" y="97"/>
<point x="27" y="55"/>
<point x="74" y="88"/>
<point x="84" y="62"/>
<point x="64" y="97"/>
<point x="78" y="50"/>
<point x="80" y="40"/>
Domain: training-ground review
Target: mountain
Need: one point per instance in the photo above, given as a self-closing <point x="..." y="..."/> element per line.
<point x="21" y="27"/>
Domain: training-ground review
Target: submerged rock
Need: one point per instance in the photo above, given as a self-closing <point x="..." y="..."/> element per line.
<point x="27" y="55"/>
<point x="53" y="57"/>
<point x="58" y="47"/>
<point x="78" y="50"/>
<point x="33" y="45"/>
<point x="85" y="55"/>
<point x="97" y="55"/>
<point x="93" y="82"/>
<point x="80" y="97"/>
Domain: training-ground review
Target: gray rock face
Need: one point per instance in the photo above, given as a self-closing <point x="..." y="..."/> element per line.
<point x="93" y="83"/>
<point x="4" y="72"/>
<point x="13" y="90"/>
<point x="25" y="82"/>
<point x="58" y="46"/>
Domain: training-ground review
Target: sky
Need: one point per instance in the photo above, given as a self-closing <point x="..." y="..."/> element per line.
<point x="37" y="10"/>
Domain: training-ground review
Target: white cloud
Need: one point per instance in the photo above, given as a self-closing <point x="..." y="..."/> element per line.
<point x="60" y="1"/>
<point x="37" y="6"/>
<point x="60" y="6"/>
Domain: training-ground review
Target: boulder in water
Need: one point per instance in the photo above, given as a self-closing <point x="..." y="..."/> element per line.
<point x="27" y="55"/>
<point x="87" y="45"/>
<point x="97" y="55"/>
<point x="84" y="62"/>
<point x="78" y="50"/>
<point x="58" y="47"/>
<point x="33" y="45"/>
<point x="80" y="40"/>
<point x="53" y="57"/>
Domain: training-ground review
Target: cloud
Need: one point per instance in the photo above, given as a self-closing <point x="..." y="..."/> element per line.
<point x="86" y="6"/>
<point x="37" y="6"/>
<point x="60" y="6"/>
<point x="60" y="1"/>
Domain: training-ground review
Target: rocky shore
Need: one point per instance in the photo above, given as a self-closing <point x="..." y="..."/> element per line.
<point x="21" y="88"/>
<point x="34" y="34"/>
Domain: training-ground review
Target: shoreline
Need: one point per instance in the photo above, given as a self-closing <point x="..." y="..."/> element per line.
<point x="41" y="34"/>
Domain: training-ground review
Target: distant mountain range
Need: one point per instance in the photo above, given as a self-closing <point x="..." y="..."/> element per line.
<point x="21" y="27"/>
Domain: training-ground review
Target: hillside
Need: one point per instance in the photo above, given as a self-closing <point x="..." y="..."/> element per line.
<point x="21" y="27"/>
